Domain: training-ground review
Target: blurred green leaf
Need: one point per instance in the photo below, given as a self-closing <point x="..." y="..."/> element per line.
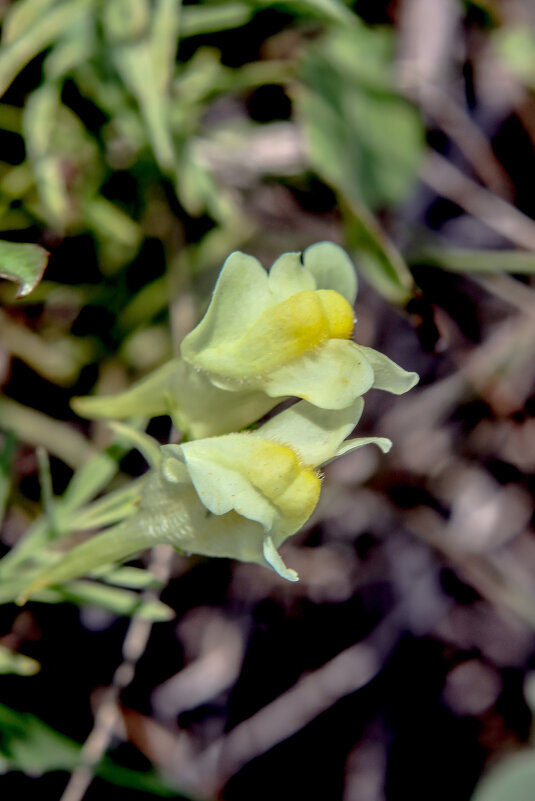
<point x="165" y="28"/>
<point x="331" y="10"/>
<point x="127" y="20"/>
<point x="16" y="184"/>
<point x="205" y="18"/>
<point x="22" y="16"/>
<point x="76" y="46"/>
<point x="512" y="780"/>
<point x="133" y="578"/>
<point x="63" y="157"/>
<point x="118" y="237"/>
<point x="29" y="745"/>
<point x="147" y="348"/>
<point x="114" y="506"/>
<point x="58" y="359"/>
<point x="516" y="46"/>
<point x="36" y="428"/>
<point x="466" y="260"/>
<point x="47" y="495"/>
<point x="529" y="691"/>
<point x="90" y="479"/>
<point x="118" y="601"/>
<point x="7" y="451"/>
<point x="38" y="30"/>
<point x="197" y="187"/>
<point x="87" y="482"/>
<point x="149" y="301"/>
<point x="134" y="52"/>
<point x="375" y="255"/>
<point x="10" y="118"/>
<point x="11" y="662"/>
<point x="24" y="264"/>
<point x="363" y="137"/>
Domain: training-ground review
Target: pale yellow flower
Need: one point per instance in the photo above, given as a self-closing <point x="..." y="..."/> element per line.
<point x="266" y="336"/>
<point x="239" y="495"/>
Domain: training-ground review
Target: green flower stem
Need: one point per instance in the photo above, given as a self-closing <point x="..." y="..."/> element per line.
<point x="114" y="545"/>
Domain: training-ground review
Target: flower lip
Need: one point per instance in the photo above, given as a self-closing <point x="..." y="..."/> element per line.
<point x="259" y="321"/>
<point x="282" y="333"/>
<point x="258" y="478"/>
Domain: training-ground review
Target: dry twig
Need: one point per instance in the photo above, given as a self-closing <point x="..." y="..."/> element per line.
<point x="108" y="714"/>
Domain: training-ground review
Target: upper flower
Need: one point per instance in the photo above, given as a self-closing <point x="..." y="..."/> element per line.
<point x="287" y="332"/>
<point x="265" y="336"/>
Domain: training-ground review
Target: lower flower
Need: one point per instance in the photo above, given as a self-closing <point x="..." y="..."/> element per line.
<point x="239" y="495"/>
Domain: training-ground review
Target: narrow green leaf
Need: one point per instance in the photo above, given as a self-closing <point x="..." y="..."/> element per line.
<point x="47" y="495"/>
<point x="10" y="118"/>
<point x="196" y="20"/>
<point x="364" y="139"/>
<point x="11" y="588"/>
<point x="112" y="508"/>
<point x="87" y="482"/>
<point x="74" y="49"/>
<point x="332" y="10"/>
<point x="11" y="662"/>
<point x="133" y="578"/>
<point x="36" y="428"/>
<point x="43" y="31"/>
<point x="22" y="263"/>
<point x="133" y="61"/>
<point x="31" y="746"/>
<point x="137" y="439"/>
<point x="6" y="457"/>
<point x="42" y="112"/>
<point x="149" y="301"/>
<point x="117" y="600"/>
<point x="375" y="255"/>
<point x="516" y="46"/>
<point x="109" y="221"/>
<point x="58" y="360"/>
<point x="467" y="260"/>
<point x="116" y="544"/>
<point x="513" y="779"/>
<point x="144" y="782"/>
<point x="21" y="16"/>
<point x="90" y="479"/>
<point x="363" y="136"/>
<point x="33" y="540"/>
<point x="164" y="41"/>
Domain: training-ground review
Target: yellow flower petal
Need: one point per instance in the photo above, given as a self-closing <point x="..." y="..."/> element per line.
<point x="338" y="313"/>
<point x="330" y="377"/>
<point x="258" y="478"/>
<point x="280" y="335"/>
